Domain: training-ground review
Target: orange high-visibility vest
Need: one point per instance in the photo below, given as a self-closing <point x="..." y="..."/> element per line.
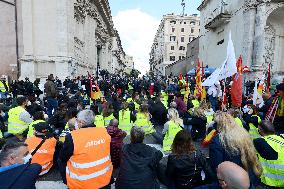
<point x="90" y="165"/>
<point x="44" y="155"/>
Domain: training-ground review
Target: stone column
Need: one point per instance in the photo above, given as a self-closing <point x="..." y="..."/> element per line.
<point x="249" y="23"/>
<point x="259" y="41"/>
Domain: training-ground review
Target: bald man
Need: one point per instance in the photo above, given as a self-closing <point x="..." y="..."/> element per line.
<point x="230" y="176"/>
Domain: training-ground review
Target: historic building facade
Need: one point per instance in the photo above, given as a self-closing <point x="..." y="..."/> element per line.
<point x="9" y="45"/>
<point x="172" y="37"/>
<point x="187" y="63"/>
<point x="257" y="28"/>
<point x="66" y="38"/>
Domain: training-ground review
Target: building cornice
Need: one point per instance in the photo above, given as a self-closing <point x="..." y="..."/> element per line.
<point x="203" y="5"/>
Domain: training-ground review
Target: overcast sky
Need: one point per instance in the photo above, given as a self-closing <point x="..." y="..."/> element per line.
<point x="137" y="22"/>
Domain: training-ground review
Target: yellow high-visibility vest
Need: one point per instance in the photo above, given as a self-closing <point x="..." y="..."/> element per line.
<point x="273" y="170"/>
<point x="170" y="135"/>
<point x="15" y="125"/>
<point x="124" y="121"/>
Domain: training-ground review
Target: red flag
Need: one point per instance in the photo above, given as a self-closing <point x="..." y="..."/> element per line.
<point x="180" y="76"/>
<point x="91" y="83"/>
<point x="198" y="86"/>
<point x="237" y="87"/>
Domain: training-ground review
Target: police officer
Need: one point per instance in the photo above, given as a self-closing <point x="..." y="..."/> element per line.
<point x="271" y="155"/>
<point x="85" y="161"/>
<point x="19" y="119"/>
<point x="44" y="155"/>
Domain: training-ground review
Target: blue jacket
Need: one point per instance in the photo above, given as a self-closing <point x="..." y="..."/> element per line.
<point x="19" y="176"/>
<point x="218" y="155"/>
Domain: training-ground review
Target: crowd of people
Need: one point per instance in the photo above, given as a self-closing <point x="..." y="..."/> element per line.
<point x="103" y="132"/>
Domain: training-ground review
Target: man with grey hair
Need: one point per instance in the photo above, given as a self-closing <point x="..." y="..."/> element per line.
<point x="139" y="163"/>
<point x="86" y="150"/>
<point x="85" y="118"/>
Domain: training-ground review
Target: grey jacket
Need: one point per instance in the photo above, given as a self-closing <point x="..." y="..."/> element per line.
<point x="50" y="89"/>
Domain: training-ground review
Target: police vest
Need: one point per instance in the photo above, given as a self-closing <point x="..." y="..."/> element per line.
<point x="31" y="127"/>
<point x="15" y="125"/>
<point x="170" y="135"/>
<point x="273" y="170"/>
<point x="108" y="119"/>
<point x="2" y="87"/>
<point x="99" y="121"/>
<point x="44" y="155"/>
<point x="253" y="130"/>
<point x="124" y="121"/>
<point x="239" y="121"/>
<point x="143" y="121"/>
<point x="90" y="165"/>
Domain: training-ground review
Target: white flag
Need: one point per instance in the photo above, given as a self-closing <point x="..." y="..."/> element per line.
<point x="255" y="93"/>
<point x="227" y="69"/>
<point x="212" y="79"/>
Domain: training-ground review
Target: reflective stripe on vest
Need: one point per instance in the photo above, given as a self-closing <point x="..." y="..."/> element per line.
<point x="90" y="176"/>
<point x="170" y="135"/>
<point x="273" y="170"/>
<point x="124" y="121"/>
<point x="90" y="164"/>
<point x="15" y="125"/>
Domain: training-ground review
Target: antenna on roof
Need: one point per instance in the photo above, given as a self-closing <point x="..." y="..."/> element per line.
<point x="183" y="7"/>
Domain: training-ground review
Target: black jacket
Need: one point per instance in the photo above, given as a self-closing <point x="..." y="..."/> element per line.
<point x="138" y="167"/>
<point x="181" y="169"/>
<point x="20" y="177"/>
<point x="159" y="113"/>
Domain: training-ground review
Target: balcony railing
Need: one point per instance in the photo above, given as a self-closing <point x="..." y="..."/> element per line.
<point x="219" y="20"/>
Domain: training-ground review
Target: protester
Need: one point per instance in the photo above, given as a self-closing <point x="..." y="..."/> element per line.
<point x="117" y="136"/>
<point x="270" y="150"/>
<point x="45" y="154"/>
<point x="85" y="161"/>
<point x="230" y="176"/>
<point x="139" y="164"/>
<point x="15" y="170"/>
<point x="186" y="163"/>
<point x="51" y="95"/>
<point x="198" y="123"/>
<point x="171" y="128"/>
<point x="19" y="119"/>
<point x="233" y="143"/>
